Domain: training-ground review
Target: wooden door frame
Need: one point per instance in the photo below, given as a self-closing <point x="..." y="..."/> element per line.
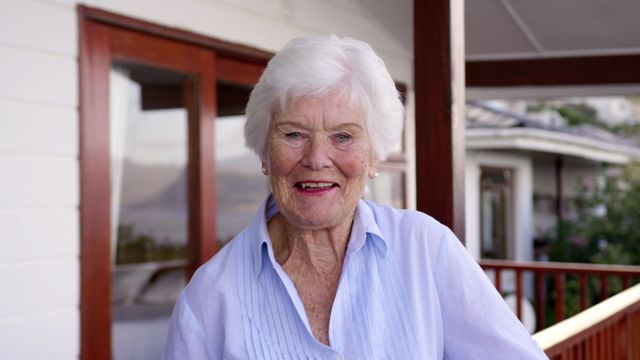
<point x="105" y="37"/>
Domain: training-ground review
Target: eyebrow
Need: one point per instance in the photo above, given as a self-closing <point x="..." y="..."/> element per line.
<point x="298" y="125"/>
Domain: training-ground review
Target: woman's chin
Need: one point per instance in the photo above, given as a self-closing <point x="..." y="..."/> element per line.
<point x="318" y="208"/>
<point x="318" y="218"/>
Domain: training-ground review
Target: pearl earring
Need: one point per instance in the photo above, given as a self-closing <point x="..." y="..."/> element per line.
<point x="264" y="170"/>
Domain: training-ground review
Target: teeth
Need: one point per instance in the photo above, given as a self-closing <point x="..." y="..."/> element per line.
<point x="307" y="185"/>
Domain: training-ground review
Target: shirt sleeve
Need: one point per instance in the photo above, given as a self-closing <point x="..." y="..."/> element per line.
<point x="477" y="323"/>
<point x="185" y="339"/>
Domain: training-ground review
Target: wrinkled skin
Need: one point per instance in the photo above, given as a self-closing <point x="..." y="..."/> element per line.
<point x="319" y="157"/>
<point x="319" y="139"/>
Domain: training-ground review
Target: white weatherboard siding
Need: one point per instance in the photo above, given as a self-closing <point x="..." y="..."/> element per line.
<point x="39" y="285"/>
<point x="38" y="129"/>
<point x="39" y="181"/>
<point x="38" y="77"/>
<point x="45" y="233"/>
<point x="50" y="335"/>
<point x="269" y="24"/>
<point x="39" y="174"/>
<point x="38" y="25"/>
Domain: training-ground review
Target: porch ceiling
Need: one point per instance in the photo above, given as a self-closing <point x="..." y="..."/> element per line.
<point x="514" y="29"/>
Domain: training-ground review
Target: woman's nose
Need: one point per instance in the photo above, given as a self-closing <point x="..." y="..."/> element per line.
<point x="317" y="153"/>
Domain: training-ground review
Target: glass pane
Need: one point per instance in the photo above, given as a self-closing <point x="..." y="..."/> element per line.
<point x="149" y="206"/>
<point x="241" y="187"/>
<point x="387" y="188"/>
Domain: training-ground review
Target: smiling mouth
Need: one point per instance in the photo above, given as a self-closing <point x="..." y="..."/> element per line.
<point x="315" y="185"/>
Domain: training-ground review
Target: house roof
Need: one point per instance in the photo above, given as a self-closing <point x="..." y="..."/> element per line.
<point x="491" y="128"/>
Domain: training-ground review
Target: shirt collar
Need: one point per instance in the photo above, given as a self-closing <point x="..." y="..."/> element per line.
<point x="364" y="227"/>
<point x="266" y="212"/>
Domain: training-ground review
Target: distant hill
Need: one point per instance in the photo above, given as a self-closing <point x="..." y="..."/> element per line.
<point x="155" y="199"/>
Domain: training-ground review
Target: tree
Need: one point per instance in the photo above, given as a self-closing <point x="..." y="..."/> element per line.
<point x="607" y="229"/>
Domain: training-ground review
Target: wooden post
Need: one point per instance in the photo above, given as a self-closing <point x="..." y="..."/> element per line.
<point x="439" y="110"/>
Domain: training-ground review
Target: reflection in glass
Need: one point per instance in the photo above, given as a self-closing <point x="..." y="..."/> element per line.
<point x="149" y="207"/>
<point x="240" y="186"/>
<point x="387" y="188"/>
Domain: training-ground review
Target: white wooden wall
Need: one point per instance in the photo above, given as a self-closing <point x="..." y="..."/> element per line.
<point x="39" y="177"/>
<point x="39" y="275"/>
<point x="269" y="24"/>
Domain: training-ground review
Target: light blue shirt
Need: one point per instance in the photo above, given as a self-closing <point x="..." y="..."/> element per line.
<point x="408" y="290"/>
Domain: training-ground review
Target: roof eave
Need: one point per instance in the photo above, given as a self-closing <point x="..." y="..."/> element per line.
<point x="539" y="140"/>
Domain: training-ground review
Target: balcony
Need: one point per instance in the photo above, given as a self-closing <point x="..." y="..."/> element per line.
<point x="607" y="322"/>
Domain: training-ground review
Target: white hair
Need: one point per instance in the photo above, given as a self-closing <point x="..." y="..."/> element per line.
<point x="315" y="66"/>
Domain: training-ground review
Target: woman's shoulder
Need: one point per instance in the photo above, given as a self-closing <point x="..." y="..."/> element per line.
<point x="215" y="273"/>
<point x="220" y="271"/>
<point x="216" y="279"/>
<point x="404" y="219"/>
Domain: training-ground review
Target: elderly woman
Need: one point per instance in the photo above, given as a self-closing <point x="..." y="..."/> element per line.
<point x="320" y="273"/>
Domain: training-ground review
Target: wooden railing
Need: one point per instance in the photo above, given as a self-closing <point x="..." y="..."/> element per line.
<point x="558" y="273"/>
<point x="608" y="330"/>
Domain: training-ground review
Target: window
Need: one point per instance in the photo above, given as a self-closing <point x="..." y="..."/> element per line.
<point x="154" y="173"/>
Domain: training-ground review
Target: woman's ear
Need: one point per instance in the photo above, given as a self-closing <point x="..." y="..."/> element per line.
<point x="373" y="169"/>
<point x="264" y="162"/>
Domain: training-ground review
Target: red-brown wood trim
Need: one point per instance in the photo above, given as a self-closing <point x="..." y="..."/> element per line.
<point x="221" y="47"/>
<point x="540" y="298"/>
<point x="101" y="44"/>
<point x="562" y="267"/>
<point x="200" y="95"/>
<point x="192" y="104"/>
<point x="95" y="211"/>
<point x="125" y="46"/>
<point x="439" y="109"/>
<point x="590" y="336"/>
<point x="238" y="72"/>
<point x="588" y="70"/>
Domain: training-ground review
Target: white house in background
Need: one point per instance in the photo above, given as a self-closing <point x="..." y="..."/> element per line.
<point x="516" y="166"/>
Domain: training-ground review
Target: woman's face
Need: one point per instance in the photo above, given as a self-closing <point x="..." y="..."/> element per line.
<point x="319" y="159"/>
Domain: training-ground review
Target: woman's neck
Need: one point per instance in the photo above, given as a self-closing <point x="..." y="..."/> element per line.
<point x="319" y="251"/>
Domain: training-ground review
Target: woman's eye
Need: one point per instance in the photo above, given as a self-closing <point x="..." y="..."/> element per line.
<point x="294" y="135"/>
<point x="342" y="138"/>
